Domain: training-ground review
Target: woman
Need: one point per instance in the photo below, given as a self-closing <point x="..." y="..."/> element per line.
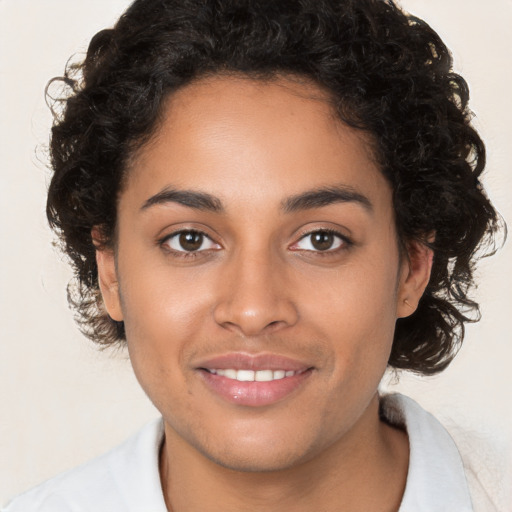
<point x="270" y="203"/>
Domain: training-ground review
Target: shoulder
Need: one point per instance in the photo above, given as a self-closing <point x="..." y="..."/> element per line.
<point x="436" y="479"/>
<point x="441" y="469"/>
<point x="119" y="480"/>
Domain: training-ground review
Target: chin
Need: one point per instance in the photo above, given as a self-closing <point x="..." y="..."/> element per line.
<point x="256" y="462"/>
<point x="261" y="455"/>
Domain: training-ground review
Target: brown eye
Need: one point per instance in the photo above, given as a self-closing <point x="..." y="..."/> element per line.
<point x="322" y="240"/>
<point x="191" y="240"/>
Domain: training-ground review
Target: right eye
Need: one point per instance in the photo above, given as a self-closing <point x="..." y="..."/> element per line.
<point x="189" y="241"/>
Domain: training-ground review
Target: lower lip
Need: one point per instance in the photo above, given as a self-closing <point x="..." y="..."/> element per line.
<point x="254" y="394"/>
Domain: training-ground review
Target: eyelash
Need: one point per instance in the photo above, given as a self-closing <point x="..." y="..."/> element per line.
<point x="184" y="254"/>
<point x="346" y="243"/>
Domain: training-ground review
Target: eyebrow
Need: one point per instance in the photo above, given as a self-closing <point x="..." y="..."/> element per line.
<point x="190" y="198"/>
<point x="307" y="200"/>
<point x="324" y="197"/>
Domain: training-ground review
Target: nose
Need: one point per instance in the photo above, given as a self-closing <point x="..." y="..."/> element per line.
<point x="255" y="296"/>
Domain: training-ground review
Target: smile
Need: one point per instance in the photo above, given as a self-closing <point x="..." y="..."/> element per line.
<point x="252" y="375"/>
<point x="253" y="380"/>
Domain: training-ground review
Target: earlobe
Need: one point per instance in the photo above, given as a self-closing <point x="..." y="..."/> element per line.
<point x="107" y="278"/>
<point x="415" y="276"/>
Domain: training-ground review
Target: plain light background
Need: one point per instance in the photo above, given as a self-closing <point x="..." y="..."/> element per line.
<point x="63" y="402"/>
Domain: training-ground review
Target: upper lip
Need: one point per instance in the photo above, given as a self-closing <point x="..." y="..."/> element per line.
<point x="245" y="361"/>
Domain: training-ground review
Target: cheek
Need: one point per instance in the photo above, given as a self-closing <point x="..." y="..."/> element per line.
<point x="159" y="299"/>
<point x="355" y="309"/>
<point x="164" y="312"/>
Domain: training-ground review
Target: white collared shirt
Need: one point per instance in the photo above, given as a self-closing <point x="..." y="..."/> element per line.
<point x="126" y="479"/>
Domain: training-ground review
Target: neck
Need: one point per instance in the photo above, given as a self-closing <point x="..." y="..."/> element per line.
<point x="366" y="470"/>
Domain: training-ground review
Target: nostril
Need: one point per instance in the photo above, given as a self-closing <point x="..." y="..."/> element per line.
<point x="276" y="324"/>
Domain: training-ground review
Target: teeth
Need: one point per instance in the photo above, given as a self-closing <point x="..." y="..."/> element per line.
<point x="230" y="374"/>
<point x="251" y="375"/>
<point x="242" y="375"/>
<point x="263" y="375"/>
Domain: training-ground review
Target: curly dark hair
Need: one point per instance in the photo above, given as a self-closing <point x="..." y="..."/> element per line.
<point x="387" y="72"/>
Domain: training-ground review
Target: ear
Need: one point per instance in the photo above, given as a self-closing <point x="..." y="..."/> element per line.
<point x="414" y="277"/>
<point x="107" y="277"/>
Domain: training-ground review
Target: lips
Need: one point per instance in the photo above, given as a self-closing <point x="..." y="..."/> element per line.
<point x="253" y="380"/>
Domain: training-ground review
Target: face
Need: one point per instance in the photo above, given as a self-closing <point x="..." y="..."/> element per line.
<point x="257" y="272"/>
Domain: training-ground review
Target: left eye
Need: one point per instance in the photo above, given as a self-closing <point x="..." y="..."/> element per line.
<point x="319" y="241"/>
<point x="190" y="241"/>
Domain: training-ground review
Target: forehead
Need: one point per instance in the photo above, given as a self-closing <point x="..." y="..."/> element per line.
<point x="241" y="138"/>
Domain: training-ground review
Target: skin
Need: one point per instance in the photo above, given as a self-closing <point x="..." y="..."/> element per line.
<point x="258" y="285"/>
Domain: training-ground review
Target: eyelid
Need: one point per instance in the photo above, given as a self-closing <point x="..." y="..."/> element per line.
<point x="345" y="242"/>
<point x="167" y="238"/>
